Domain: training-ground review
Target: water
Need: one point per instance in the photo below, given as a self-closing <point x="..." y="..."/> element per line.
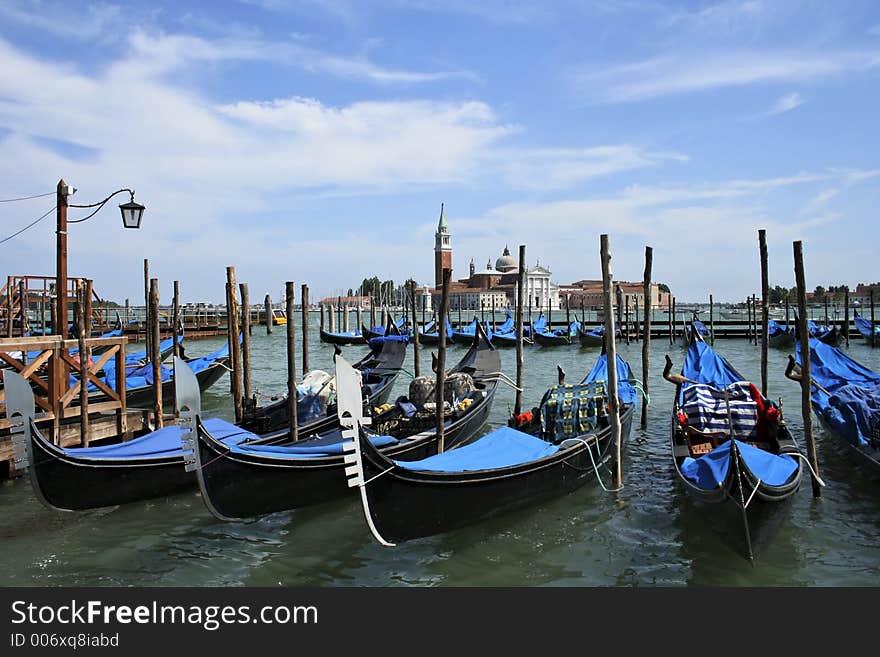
<point x="648" y="534"/>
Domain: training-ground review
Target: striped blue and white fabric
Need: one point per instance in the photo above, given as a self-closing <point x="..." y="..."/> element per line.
<point x="706" y="409"/>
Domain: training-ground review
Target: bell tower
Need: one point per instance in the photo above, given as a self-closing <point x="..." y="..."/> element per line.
<point x="442" y="249"/>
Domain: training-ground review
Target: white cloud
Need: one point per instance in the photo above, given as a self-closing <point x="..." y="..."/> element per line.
<point x="681" y="74"/>
<point x="787" y="103"/>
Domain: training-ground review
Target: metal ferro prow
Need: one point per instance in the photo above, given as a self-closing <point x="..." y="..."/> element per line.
<point x="189" y="404"/>
<point x="350" y="410"/>
<point x="20" y="411"/>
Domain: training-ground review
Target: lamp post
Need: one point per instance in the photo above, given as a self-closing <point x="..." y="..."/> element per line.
<point x="132" y="213"/>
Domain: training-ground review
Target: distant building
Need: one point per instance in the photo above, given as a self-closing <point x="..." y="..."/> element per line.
<point x="590" y="292"/>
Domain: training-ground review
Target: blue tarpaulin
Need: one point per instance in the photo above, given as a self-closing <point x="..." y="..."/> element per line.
<point x="501" y="448"/>
<point x="704" y="365"/>
<point x="308" y="448"/>
<point x="854" y="405"/>
<point x="625" y="389"/>
<point x="710" y="470"/>
<point x="162" y="442"/>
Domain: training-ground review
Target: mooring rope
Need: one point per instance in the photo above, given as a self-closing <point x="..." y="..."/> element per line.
<point x="593" y="460"/>
<point x="809" y="465"/>
<point x="501" y="377"/>
<point x="749" y="501"/>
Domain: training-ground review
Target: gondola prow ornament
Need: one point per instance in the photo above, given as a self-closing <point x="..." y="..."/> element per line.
<point x="350" y="409"/>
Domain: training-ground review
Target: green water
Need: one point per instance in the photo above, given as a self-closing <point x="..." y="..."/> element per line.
<point x="647" y="534"/>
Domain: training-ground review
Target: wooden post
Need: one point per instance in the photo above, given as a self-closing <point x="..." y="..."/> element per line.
<point x="424" y="298"/>
<point x="10" y="301"/>
<point x="147" y="323"/>
<point x="127" y="311"/>
<point x="646" y="332"/>
<point x="765" y="308"/>
<point x="441" y="361"/>
<point x="873" y="325"/>
<point x="459" y="312"/>
<point x="235" y="352"/>
<point x="493" y="312"/>
<point x="567" y="311"/>
<point x="291" y="363"/>
<point x="415" y="331"/>
<point x="159" y="421"/>
<point x="346" y="324"/>
<point x="669" y="315"/>
<point x="611" y="353"/>
<point x="359" y="317"/>
<point x="583" y="318"/>
<point x="636" y="315"/>
<point x="43" y="315"/>
<point x="846" y="315"/>
<point x="83" y="365"/>
<point x="520" y="299"/>
<point x="304" y="303"/>
<point x="331" y="317"/>
<point x="22" y="302"/>
<point x="246" y="339"/>
<point x="61" y="195"/>
<point x="87" y="306"/>
<point x="712" y="319"/>
<point x="826" y="309"/>
<point x="806" y="377"/>
<point x="267" y="308"/>
<point x="787" y="319"/>
<point x="175" y="315"/>
<point x="626" y="317"/>
<point x="372" y="312"/>
<point x="321" y="308"/>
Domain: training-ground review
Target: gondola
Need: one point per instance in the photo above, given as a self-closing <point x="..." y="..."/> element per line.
<point x="465" y="334"/>
<point x="379" y="331"/>
<point x="430" y="334"/>
<point x="343" y="338"/>
<point x="595" y="337"/>
<point x="846" y="399"/>
<point x="509" y="339"/>
<point x="740" y="484"/>
<point x="867" y="328"/>
<point x="76" y="478"/>
<point x="139" y="393"/>
<point x="824" y="333"/>
<point x="252" y="479"/>
<point x="780" y="336"/>
<point x="694" y="325"/>
<point x="556" y="338"/>
<point x="564" y="445"/>
<point x="380" y="368"/>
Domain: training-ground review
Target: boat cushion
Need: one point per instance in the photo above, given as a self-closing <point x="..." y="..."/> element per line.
<point x="571" y="410"/>
<point x="502" y="448"/>
<point x="710" y="470"/>
<point x="162" y="442"/>
<point x="706" y="409"/>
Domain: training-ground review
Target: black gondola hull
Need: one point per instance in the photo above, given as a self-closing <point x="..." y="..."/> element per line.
<point x="406" y="504"/>
<point x="341" y="338"/>
<point x="240" y="486"/>
<point x="74" y="484"/>
<point x="552" y="340"/>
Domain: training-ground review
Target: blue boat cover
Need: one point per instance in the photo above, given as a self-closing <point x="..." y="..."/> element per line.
<point x="774" y="328"/>
<point x="710" y="470"/>
<point x="539" y="324"/>
<point x="854" y="405"/>
<point x="502" y="448"/>
<point x="376" y="343"/>
<point x="307" y="449"/>
<point x="507" y="326"/>
<point x="598" y="331"/>
<point x="865" y="326"/>
<point x="625" y="388"/>
<point x="702" y="329"/>
<point x="704" y="365"/>
<point x="162" y="442"/>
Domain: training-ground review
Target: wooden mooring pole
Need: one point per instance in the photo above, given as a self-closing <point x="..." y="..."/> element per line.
<point x="235" y="343"/>
<point x="267" y="309"/>
<point x="291" y="363"/>
<point x="159" y="420"/>
<point x="626" y="318"/>
<point x="765" y="308"/>
<point x="846" y="315"/>
<point x="520" y="299"/>
<point x="304" y="302"/>
<point x="175" y="345"/>
<point x="83" y="365"/>
<point x="712" y="320"/>
<point x="415" y="329"/>
<point x="669" y="316"/>
<point x="611" y="354"/>
<point x="441" y="362"/>
<point x="806" y="377"/>
<point x="646" y="334"/>
<point x="246" y="339"/>
<point x="873" y="324"/>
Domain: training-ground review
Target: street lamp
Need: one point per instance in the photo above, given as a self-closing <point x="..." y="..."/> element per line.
<point x="132" y="213"/>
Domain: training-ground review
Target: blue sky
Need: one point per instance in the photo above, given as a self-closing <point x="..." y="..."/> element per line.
<point x="314" y="140"/>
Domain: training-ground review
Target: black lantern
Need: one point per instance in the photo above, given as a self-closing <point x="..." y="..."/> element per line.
<point x="132" y="213"/>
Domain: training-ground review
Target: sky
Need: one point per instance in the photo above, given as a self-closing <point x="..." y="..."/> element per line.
<point x="314" y="140"/>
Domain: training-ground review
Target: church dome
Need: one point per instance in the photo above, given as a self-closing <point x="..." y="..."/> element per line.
<point x="506" y="262"/>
